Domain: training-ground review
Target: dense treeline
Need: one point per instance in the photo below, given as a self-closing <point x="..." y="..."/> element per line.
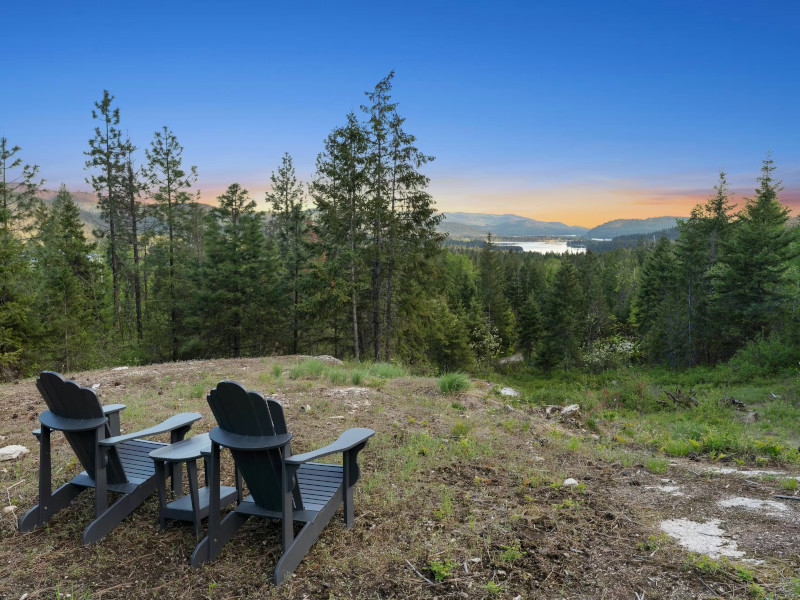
<point x="351" y="264"/>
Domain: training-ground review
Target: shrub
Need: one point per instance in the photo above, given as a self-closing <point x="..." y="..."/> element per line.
<point x="451" y="383"/>
<point x="765" y="357"/>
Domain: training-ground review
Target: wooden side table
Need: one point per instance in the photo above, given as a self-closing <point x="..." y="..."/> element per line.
<point x="194" y="505"/>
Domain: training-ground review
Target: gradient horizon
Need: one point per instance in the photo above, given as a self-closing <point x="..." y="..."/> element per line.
<point x="579" y="113"/>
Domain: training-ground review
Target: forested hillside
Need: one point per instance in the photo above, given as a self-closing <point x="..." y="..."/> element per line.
<point x="351" y="264"/>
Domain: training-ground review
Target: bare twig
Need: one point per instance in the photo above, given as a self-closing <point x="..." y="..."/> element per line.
<point x="419" y="574"/>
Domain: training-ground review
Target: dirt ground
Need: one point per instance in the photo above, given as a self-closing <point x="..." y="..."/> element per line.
<point x="468" y="487"/>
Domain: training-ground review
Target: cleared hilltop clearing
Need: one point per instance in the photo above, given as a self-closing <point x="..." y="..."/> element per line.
<point x="465" y="490"/>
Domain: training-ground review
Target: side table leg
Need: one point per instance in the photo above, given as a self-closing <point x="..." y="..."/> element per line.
<point x="191" y="472"/>
<point x="161" y="484"/>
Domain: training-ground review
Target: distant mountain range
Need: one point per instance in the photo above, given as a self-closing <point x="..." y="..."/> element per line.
<point x="619" y="227"/>
<point x="472" y="225"/>
<point x="456" y="224"/>
<point x="461" y="224"/>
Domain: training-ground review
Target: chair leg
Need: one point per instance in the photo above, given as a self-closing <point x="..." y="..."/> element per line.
<point x="209" y="547"/>
<point x="39" y="515"/>
<point x="294" y="554"/>
<point x="115" y="513"/>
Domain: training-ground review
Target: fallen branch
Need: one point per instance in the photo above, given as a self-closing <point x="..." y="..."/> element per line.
<point x="418" y="573"/>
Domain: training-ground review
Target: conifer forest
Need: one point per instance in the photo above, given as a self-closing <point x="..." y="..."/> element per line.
<point x="351" y="264"/>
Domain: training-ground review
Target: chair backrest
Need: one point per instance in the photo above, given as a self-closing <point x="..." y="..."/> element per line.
<point x="66" y="398"/>
<point x="249" y="413"/>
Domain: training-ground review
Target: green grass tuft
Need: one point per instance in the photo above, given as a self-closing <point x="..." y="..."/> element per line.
<point x="452" y="383"/>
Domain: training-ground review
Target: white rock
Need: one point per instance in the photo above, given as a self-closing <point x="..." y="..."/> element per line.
<point x="9" y="509"/>
<point x="570" y="482"/>
<point x="96" y="386"/>
<point x="120" y="369"/>
<point x="705" y="538"/>
<point x="12" y="452"/>
<point x="305" y="408"/>
<point x="331" y="360"/>
<point x="507" y="391"/>
<point x="570" y="410"/>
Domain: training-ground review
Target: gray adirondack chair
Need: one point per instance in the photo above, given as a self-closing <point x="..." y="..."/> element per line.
<point x="113" y="462"/>
<point x="282" y="486"/>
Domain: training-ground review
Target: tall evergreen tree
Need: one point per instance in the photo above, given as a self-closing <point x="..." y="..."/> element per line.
<point x="134" y="215"/>
<point x="339" y="196"/>
<point x="170" y="184"/>
<point x="18" y="186"/>
<point x="236" y="302"/>
<point x="752" y="279"/>
<point x="376" y="170"/>
<point x="563" y="322"/>
<point x="412" y="237"/>
<point x="492" y="293"/>
<point x="290" y="227"/>
<point x="17" y="323"/>
<point x="70" y="299"/>
<point x="107" y="154"/>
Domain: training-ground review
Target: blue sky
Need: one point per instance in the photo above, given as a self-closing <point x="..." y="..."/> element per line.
<point x="572" y="111"/>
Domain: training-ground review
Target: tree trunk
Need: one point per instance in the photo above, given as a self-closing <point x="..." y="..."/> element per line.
<point x="137" y="284"/>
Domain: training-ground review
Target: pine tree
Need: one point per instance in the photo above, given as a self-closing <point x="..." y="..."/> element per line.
<point x="235" y="306"/>
<point x="132" y="225"/>
<point x="339" y="196"/>
<point x="376" y="170"/>
<point x="530" y="326"/>
<point x="413" y="240"/>
<point x="172" y="209"/>
<point x="492" y="294"/>
<point x="107" y="154"/>
<point x="17" y="325"/>
<point x="659" y="311"/>
<point x="562" y="319"/>
<point x="70" y="299"/>
<point x="18" y="187"/>
<point x="290" y="227"/>
<point x="752" y="280"/>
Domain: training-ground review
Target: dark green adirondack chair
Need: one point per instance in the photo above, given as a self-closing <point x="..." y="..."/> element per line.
<point x="113" y="462"/>
<point x="284" y="487"/>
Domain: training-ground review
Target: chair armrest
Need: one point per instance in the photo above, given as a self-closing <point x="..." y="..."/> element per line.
<point x="113" y="408"/>
<point x="248" y="442"/>
<point x="177" y="422"/>
<point x="347" y="441"/>
<point x="53" y="421"/>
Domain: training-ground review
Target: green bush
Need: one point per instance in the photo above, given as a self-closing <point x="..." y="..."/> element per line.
<point x="451" y="383"/>
<point x="765" y="357"/>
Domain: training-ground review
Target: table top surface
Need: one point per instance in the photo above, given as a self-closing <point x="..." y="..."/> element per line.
<point x="190" y="449"/>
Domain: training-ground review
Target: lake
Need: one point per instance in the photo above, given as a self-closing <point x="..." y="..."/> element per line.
<point x="543" y="247"/>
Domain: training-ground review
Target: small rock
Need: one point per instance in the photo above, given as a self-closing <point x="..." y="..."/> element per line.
<point x="507" y="391"/>
<point x="12" y="452"/>
<point x="305" y="408"/>
<point x="570" y="482"/>
<point x="549" y="409"/>
<point x="570" y="410"/>
<point x="509" y="408"/>
<point x="752" y="417"/>
<point x="120" y="369"/>
<point x="9" y="509"/>
<point x="96" y="386"/>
